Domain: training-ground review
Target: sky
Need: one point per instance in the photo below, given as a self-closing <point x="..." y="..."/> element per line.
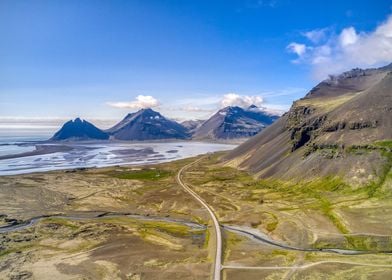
<point x="95" y="59"/>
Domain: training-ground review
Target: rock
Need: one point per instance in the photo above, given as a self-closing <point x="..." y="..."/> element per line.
<point x="21" y="275"/>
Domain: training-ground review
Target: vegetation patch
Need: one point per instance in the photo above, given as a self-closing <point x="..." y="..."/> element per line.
<point x="374" y="188"/>
<point x="62" y="222"/>
<point x="169" y="228"/>
<point x="144" y="174"/>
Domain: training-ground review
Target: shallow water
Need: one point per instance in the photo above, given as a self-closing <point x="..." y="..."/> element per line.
<point x="103" y="154"/>
<point x="11" y="149"/>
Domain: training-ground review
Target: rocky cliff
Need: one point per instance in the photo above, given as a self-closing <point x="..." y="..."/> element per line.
<point x="342" y="127"/>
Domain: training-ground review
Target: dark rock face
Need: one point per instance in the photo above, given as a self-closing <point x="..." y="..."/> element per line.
<point x="318" y="135"/>
<point x="235" y="122"/>
<point x="147" y="124"/>
<point x="79" y="130"/>
<point x="301" y="130"/>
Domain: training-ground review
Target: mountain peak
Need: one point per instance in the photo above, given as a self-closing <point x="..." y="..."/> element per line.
<point x="253" y="106"/>
<point x="230" y="109"/>
<point x="147" y="124"/>
<point x="353" y="81"/>
<point x="79" y="129"/>
<point x="147" y="110"/>
<point x="234" y="122"/>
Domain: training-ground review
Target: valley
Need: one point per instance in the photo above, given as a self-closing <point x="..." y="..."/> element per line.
<point x="195" y="140"/>
<point x="137" y="222"/>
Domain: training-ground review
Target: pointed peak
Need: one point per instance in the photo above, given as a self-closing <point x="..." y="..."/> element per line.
<point x="229" y="108"/>
<point x="253" y="106"/>
<point x="79" y="129"/>
<point x="145" y="110"/>
<point x="148" y="112"/>
<point x="141" y="112"/>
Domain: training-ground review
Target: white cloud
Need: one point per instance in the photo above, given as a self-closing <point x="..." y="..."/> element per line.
<point x="348" y="36"/>
<point x="142" y="101"/>
<point x="298" y="49"/>
<point x="233" y="99"/>
<point x="275" y="109"/>
<point x="190" y="108"/>
<point x="346" y="49"/>
<point x="316" y="35"/>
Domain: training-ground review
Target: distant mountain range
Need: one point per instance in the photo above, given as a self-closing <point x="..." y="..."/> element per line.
<point x="147" y="124"/>
<point x="192" y="125"/>
<point x="342" y="126"/>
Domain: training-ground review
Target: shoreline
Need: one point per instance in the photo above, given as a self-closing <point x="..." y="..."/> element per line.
<point x="39" y="150"/>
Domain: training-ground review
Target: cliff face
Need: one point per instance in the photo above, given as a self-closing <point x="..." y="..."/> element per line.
<point x="336" y="129"/>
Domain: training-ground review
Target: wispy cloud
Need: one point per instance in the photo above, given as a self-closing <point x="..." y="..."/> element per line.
<point x="141" y="101"/>
<point x="48" y="123"/>
<point x="263" y="3"/>
<point x="316" y="35"/>
<point x="334" y="52"/>
<point x="190" y="108"/>
<point x="297" y="48"/>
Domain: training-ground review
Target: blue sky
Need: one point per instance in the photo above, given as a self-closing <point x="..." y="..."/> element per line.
<point x="62" y="59"/>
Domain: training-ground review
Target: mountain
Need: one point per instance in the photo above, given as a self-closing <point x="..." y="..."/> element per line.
<point x="235" y="122"/>
<point x="79" y="130"/>
<point x="192" y="125"/>
<point x="147" y="124"/>
<point x="342" y="127"/>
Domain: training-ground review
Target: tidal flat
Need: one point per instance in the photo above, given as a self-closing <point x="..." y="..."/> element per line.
<point x="40" y="156"/>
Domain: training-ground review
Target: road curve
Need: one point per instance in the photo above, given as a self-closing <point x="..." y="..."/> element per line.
<point x="218" y="234"/>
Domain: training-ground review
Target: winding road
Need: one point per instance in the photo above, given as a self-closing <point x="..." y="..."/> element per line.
<point x="218" y="266"/>
<point x="217" y="230"/>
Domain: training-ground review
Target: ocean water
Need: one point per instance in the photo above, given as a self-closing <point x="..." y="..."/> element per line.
<point x="10" y="145"/>
<point x="97" y="154"/>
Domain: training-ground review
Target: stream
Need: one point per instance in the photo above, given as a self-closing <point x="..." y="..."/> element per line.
<point x="35" y="220"/>
<point x="258" y="236"/>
